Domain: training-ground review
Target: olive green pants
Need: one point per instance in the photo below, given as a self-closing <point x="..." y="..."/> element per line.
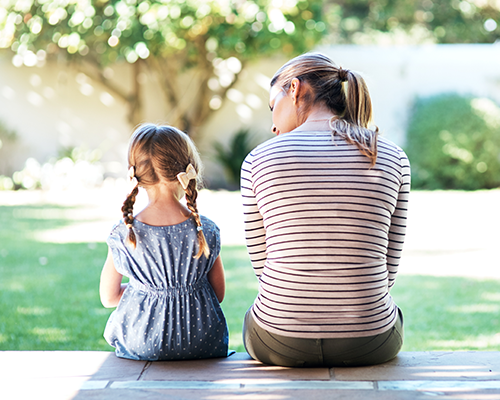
<point x="273" y="349"/>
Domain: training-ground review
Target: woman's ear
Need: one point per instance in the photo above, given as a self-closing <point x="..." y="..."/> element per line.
<point x="295" y="87"/>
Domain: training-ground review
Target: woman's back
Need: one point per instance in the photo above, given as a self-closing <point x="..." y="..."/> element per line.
<point x="322" y="229"/>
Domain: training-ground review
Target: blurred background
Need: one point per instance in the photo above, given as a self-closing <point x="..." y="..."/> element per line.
<point x="77" y="76"/>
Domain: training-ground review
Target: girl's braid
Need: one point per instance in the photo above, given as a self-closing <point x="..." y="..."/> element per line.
<point x="128" y="215"/>
<point x="191" y="196"/>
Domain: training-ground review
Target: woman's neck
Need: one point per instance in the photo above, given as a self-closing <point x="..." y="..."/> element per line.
<point x="164" y="206"/>
<point x="318" y="119"/>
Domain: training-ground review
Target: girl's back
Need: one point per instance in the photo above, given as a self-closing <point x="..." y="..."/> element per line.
<point x="169" y="310"/>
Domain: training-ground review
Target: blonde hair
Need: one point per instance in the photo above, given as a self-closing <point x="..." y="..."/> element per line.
<point x="352" y="106"/>
<point x="157" y="152"/>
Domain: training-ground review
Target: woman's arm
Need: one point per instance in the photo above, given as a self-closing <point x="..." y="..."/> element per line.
<point x="111" y="288"/>
<point x="255" y="233"/>
<point x="397" y="230"/>
<point x="217" y="279"/>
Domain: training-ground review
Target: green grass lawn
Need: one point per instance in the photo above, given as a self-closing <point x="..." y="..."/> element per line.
<point x="49" y="294"/>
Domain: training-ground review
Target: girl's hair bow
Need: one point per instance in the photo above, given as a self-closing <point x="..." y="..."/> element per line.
<point x="132" y="178"/>
<point x="185" y="177"/>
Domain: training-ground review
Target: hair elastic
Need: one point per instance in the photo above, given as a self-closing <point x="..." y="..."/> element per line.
<point x="199" y="228"/>
<point x="343" y="74"/>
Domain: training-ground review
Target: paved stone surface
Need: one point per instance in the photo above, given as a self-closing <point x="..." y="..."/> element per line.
<point x="435" y="365"/>
<point x="101" y="375"/>
<point x="235" y="367"/>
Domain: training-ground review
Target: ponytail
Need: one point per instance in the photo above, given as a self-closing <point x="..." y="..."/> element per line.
<point x="353" y="124"/>
<point x="352" y="105"/>
<point x="191" y="196"/>
<point x="128" y="215"/>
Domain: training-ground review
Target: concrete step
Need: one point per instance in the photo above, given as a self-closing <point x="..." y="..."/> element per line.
<point x="57" y="375"/>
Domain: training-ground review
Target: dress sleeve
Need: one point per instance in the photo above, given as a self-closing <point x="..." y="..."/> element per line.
<point x="116" y="244"/>
<point x="255" y="232"/>
<point x="397" y="230"/>
<point x="215" y="247"/>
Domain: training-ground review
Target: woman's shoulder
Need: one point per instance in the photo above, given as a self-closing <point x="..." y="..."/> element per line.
<point x="272" y="144"/>
<point x="386" y="145"/>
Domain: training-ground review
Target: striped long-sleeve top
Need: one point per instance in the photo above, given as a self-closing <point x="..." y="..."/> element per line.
<point x="325" y="234"/>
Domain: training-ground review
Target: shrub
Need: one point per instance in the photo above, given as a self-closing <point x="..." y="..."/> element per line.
<point x="453" y="142"/>
<point x="232" y="156"/>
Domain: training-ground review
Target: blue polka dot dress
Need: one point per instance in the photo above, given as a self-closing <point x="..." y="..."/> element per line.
<point x="169" y="310"/>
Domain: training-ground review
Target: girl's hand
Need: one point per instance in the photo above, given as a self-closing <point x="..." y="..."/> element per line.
<point x="217" y="279"/>
<point x="111" y="288"/>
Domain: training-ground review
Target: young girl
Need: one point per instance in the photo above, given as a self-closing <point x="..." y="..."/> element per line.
<point x="170" y="308"/>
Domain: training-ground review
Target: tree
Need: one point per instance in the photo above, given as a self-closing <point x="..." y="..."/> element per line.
<point x="210" y="39"/>
<point x="440" y="21"/>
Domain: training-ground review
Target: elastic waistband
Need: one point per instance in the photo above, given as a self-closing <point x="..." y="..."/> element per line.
<point x="169" y="290"/>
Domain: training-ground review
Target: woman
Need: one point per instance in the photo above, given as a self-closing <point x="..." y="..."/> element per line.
<point x="325" y="206"/>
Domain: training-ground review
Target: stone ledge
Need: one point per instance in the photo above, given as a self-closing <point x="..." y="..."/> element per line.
<point x="88" y="375"/>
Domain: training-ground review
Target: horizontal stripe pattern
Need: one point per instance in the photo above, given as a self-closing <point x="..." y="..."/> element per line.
<point x="324" y="233"/>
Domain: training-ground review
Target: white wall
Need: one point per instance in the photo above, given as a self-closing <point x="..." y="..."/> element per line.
<point x="396" y="75"/>
<point x="50" y="107"/>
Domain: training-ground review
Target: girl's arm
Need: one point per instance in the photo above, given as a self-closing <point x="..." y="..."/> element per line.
<point x="217" y="279"/>
<point x="111" y="288"/>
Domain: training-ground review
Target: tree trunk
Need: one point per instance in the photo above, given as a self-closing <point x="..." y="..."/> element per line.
<point x="135" y="116"/>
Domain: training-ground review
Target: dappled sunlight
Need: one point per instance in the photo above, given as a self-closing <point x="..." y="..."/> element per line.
<point x="455" y="371"/>
<point x="491" y="296"/>
<point x="47" y="213"/>
<point x="475" y="308"/>
<point x="480" y="342"/>
<point x="33" y="310"/>
<point x="51" y="334"/>
<point x="76" y="233"/>
<point x="248" y="396"/>
<point x="13" y="286"/>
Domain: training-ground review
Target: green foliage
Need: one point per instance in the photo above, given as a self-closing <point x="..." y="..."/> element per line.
<point x="6" y="134"/>
<point x="130" y="29"/>
<point x="442" y="21"/>
<point x="453" y="142"/>
<point x="232" y="157"/>
<point x="169" y="36"/>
